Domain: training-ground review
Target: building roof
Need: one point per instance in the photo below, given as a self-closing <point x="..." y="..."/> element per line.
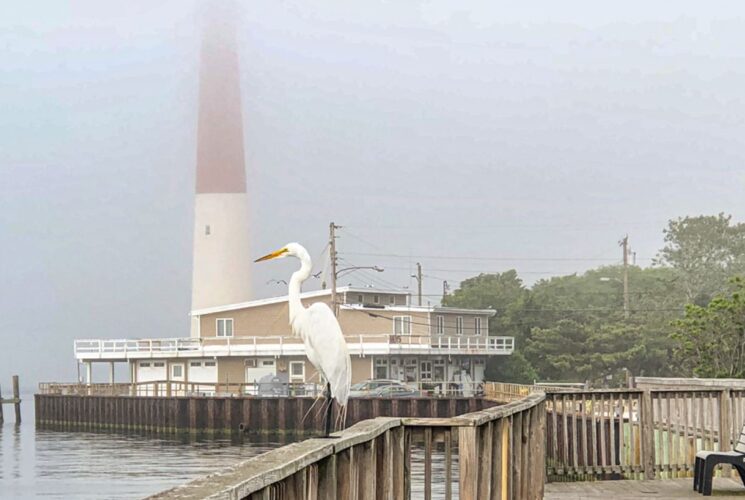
<point x="283" y="298"/>
<point x="345" y="289"/>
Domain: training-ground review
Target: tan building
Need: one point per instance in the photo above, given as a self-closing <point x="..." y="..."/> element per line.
<point x="435" y="348"/>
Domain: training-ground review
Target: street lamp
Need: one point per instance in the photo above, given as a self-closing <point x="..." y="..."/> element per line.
<point x="353" y="268"/>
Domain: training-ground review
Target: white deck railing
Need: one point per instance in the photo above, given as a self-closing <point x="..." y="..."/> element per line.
<point x="277" y="345"/>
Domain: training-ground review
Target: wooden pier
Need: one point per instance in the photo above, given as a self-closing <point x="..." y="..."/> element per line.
<point x="15" y="401"/>
<point x="499" y="453"/>
<point x="210" y="414"/>
<point x="589" y="444"/>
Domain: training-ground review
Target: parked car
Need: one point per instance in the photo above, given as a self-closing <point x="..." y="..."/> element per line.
<point x="362" y="389"/>
<point x="395" y="391"/>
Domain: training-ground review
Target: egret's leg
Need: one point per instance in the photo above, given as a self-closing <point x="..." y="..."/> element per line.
<point x="329" y="409"/>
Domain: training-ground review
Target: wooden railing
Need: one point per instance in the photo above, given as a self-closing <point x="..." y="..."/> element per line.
<point x="168" y="388"/>
<point x="506" y="392"/>
<point x="160" y="388"/>
<point x="636" y="433"/>
<point x="493" y="453"/>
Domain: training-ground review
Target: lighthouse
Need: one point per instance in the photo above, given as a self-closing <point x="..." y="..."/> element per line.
<point x="221" y="273"/>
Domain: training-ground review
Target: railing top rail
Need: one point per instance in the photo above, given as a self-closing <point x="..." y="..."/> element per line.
<point x="479" y="417"/>
<point x="566" y="390"/>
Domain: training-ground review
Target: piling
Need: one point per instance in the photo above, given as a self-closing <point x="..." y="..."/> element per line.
<point x="17" y="398"/>
<point x="15" y="401"/>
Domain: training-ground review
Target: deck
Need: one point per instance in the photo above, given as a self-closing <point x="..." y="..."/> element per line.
<point x="671" y="489"/>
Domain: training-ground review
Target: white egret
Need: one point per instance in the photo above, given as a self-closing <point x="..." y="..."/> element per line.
<point x="318" y="327"/>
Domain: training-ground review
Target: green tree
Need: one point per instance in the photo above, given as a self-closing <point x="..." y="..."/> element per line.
<point x="513" y="369"/>
<point x="710" y="340"/>
<point x="705" y="251"/>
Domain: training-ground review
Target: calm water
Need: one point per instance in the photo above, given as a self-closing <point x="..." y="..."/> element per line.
<point x="40" y="463"/>
<point x="59" y="464"/>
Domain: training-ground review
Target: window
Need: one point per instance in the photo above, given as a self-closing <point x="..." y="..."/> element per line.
<point x="250" y="363"/>
<point x="376" y="299"/>
<point x="425" y="370"/>
<point x="225" y="327"/>
<point x="381" y="368"/>
<point x="459" y="325"/>
<point x="195" y="364"/>
<point x="144" y="364"/>
<point x="392" y="300"/>
<point x="477" y="326"/>
<point x="297" y="370"/>
<point x="402" y="325"/>
<point x="209" y="363"/>
<point x="159" y="364"/>
<point x="410" y="371"/>
<point x="177" y="371"/>
<point x="440" y="325"/>
<point x="207" y="230"/>
<point x="439" y="373"/>
<point x="267" y="362"/>
<point x="359" y="299"/>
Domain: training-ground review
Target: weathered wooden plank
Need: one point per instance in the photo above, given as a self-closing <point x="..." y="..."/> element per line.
<point x="398" y="450"/>
<point x="448" y="438"/>
<point x="594" y="432"/>
<point x="365" y="470"/>
<point x="384" y="467"/>
<point x="484" y="435"/>
<point x="468" y="455"/>
<point x="428" y="463"/>
<point x="516" y="456"/>
<point x="647" y="435"/>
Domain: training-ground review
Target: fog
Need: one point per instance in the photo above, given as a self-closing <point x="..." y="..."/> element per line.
<point x="472" y="138"/>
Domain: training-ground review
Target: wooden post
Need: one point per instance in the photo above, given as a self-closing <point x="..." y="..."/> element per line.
<point x="725" y="427"/>
<point x="468" y="453"/>
<point x="17" y="398"/>
<point x="327" y="478"/>
<point x="647" y="432"/>
<point x="2" y="419"/>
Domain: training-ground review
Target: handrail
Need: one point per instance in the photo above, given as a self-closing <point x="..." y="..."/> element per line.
<point x="500" y="450"/>
<point x="284" y="344"/>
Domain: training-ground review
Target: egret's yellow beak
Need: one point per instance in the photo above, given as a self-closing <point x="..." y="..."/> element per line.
<point x="273" y="255"/>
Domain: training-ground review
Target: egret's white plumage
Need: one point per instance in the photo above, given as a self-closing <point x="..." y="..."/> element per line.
<point x="318" y="327"/>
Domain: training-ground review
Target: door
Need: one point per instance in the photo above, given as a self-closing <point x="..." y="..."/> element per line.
<point x="178" y="388"/>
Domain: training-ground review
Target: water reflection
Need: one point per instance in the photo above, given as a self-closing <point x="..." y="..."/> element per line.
<point x="74" y="464"/>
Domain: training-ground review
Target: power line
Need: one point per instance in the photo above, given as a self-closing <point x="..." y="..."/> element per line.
<point x="463" y="257"/>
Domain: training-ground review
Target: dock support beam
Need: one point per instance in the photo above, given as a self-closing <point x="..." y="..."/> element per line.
<point x="111" y="372"/>
<point x="17" y="397"/>
<point x="15" y="401"/>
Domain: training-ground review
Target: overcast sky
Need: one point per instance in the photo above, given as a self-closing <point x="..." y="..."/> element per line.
<point x="494" y="135"/>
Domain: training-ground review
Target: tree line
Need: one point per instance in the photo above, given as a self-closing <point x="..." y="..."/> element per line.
<point x="686" y="314"/>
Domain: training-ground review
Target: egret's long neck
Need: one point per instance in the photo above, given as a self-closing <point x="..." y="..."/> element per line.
<point x="296" y="281"/>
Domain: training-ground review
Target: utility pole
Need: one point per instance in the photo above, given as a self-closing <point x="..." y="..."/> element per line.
<point x="419" y="281"/>
<point x="332" y="256"/>
<point x="625" y="244"/>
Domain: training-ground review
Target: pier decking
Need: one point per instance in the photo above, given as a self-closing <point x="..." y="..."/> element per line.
<point x="664" y="489"/>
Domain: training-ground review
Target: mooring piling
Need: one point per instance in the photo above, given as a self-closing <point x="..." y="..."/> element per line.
<point x="15" y="401"/>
